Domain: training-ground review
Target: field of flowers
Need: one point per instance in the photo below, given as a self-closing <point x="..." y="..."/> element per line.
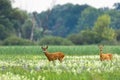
<point x="33" y="66"/>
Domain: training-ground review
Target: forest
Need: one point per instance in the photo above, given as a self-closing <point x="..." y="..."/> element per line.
<point x="66" y="24"/>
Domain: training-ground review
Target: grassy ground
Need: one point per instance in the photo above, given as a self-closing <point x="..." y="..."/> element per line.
<point x="68" y="50"/>
<point x="80" y="63"/>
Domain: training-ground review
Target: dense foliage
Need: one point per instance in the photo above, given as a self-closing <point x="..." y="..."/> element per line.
<point x="17" y="41"/>
<point x="50" y="40"/>
<point x="82" y="24"/>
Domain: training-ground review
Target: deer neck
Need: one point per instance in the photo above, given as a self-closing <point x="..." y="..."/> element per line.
<point x="46" y="53"/>
<point x="101" y="52"/>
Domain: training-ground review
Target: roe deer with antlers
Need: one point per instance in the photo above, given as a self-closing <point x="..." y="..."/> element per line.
<point x="103" y="56"/>
<point x="53" y="56"/>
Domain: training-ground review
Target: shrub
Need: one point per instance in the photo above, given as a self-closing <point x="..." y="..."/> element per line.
<point x="112" y="42"/>
<point x="118" y="34"/>
<point x="84" y="37"/>
<point x="76" y="38"/>
<point x="51" y="40"/>
<point x="16" y="41"/>
<point x="1" y="42"/>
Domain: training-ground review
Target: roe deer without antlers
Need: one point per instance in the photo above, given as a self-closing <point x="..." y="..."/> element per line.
<point x="53" y="56"/>
<point x="103" y="56"/>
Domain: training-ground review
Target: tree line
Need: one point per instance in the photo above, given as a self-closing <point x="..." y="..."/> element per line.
<point x="61" y="25"/>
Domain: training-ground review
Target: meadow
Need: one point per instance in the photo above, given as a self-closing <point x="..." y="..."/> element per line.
<point x="80" y="63"/>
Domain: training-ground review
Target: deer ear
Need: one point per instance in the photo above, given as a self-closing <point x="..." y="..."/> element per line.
<point x="99" y="45"/>
<point x="46" y="46"/>
<point x="42" y="47"/>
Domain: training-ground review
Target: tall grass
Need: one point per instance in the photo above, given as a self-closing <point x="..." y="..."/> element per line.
<point x="30" y="63"/>
<point x="68" y="50"/>
<point x="73" y="68"/>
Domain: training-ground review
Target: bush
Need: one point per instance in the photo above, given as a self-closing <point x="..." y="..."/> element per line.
<point x="16" y="41"/>
<point x="51" y="40"/>
<point x="1" y="42"/>
<point x="76" y="38"/>
<point x="84" y="37"/>
<point x="118" y="35"/>
<point x="112" y="42"/>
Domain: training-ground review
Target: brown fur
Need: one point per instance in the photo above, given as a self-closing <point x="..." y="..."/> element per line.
<point x="53" y="56"/>
<point x="103" y="56"/>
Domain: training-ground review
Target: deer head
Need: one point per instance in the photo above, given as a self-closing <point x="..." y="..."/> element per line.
<point x="101" y="47"/>
<point x="44" y="48"/>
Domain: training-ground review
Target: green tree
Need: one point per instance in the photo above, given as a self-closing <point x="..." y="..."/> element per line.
<point x="5" y="8"/>
<point x="3" y="34"/>
<point x="11" y="19"/>
<point x="118" y="34"/>
<point x="102" y="28"/>
<point x="115" y="18"/>
<point x="37" y="34"/>
<point x="87" y="18"/>
<point x="18" y="17"/>
<point x="62" y="19"/>
<point x="6" y="26"/>
<point x="26" y="29"/>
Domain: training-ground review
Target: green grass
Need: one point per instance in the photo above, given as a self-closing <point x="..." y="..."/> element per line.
<point x="49" y="75"/>
<point x="80" y="63"/>
<point x="68" y="50"/>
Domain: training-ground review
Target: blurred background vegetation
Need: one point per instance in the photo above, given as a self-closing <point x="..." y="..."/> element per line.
<point x="66" y="24"/>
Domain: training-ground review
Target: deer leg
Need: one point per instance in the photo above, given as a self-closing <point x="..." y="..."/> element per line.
<point x="101" y="59"/>
<point x="53" y="62"/>
<point x="60" y="59"/>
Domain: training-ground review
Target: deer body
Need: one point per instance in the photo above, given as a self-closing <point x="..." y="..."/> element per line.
<point x="53" y="56"/>
<point x="103" y="56"/>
